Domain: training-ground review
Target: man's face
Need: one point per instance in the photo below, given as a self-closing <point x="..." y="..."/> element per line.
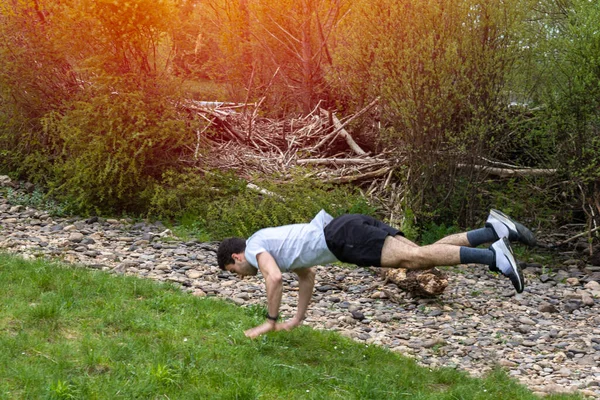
<point x="241" y="266"/>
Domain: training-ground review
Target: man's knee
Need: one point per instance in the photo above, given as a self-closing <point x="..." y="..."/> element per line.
<point x="400" y="254"/>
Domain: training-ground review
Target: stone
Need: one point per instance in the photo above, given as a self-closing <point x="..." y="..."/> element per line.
<point x="5" y="181"/>
<point x="587" y="300"/>
<point x="526" y="320"/>
<point x="564" y="372"/>
<point x="548" y="308"/>
<point x="324" y="288"/>
<point x="572" y="305"/>
<point x="592" y="285"/>
<point x="358" y="315"/>
<point x="238" y="301"/>
<point x="573" y="282"/>
<point x="193" y="274"/>
<point x="76" y="237"/>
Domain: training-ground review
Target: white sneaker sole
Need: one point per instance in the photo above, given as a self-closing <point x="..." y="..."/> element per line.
<point x="503" y="247"/>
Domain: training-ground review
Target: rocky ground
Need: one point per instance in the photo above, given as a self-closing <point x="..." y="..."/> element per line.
<point x="548" y="337"/>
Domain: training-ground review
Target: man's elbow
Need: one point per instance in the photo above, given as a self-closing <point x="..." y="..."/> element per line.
<point x="275" y="279"/>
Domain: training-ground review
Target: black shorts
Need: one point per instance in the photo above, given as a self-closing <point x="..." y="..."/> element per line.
<point x="358" y="239"/>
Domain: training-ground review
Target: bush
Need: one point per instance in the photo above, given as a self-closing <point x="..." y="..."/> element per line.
<point x="439" y="68"/>
<point x="183" y="194"/>
<point x="219" y="205"/>
<point x="567" y="72"/>
<point x="111" y="150"/>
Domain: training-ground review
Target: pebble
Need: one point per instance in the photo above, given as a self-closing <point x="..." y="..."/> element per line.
<point x="548" y="337"/>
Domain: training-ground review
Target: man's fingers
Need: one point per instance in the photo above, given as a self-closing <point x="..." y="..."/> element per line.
<point x="253" y="333"/>
<point x="259" y="330"/>
<point x="286" y="326"/>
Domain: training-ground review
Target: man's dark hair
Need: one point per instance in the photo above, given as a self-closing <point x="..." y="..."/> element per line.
<point x="228" y="247"/>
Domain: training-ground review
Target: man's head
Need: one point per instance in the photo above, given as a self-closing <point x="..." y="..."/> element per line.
<point x="230" y="257"/>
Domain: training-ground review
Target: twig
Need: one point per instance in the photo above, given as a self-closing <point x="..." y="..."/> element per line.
<point x="588" y="232"/>
<point x="340" y="161"/>
<point x="352" y="178"/>
<point x="506" y="172"/>
<point x="260" y="190"/>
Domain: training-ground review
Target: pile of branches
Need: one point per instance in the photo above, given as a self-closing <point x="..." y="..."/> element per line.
<point x="241" y="140"/>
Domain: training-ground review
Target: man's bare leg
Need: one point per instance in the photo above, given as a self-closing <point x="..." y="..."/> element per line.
<point x="457" y="239"/>
<point x="397" y="253"/>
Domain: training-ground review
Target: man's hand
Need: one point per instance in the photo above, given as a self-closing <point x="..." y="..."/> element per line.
<point x="261" y="329"/>
<point x="288" y="325"/>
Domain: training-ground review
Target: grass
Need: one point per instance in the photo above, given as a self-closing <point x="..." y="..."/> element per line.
<point x="72" y="333"/>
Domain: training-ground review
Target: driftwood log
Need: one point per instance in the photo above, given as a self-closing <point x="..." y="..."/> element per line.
<point x="420" y="283"/>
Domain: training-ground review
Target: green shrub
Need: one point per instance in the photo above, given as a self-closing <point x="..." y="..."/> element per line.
<point x="36" y="199"/>
<point x="434" y="232"/>
<point x="218" y="204"/>
<point x="112" y="148"/>
<point x="295" y="201"/>
<point x="189" y="192"/>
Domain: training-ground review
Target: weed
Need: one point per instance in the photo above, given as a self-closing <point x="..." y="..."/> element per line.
<point x="165" y="375"/>
<point x="61" y="390"/>
<point x="36" y="199"/>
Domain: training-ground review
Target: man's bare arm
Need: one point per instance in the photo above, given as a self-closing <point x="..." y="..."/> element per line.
<point x="274" y="283"/>
<point x="306" y="283"/>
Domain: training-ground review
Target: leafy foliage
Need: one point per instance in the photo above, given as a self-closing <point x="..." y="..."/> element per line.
<point x="36" y="199"/>
<point x="564" y="65"/>
<point x="88" y="98"/>
<point x="112" y="148"/>
<point x="220" y="205"/>
<point x="439" y="68"/>
<point x="89" y="112"/>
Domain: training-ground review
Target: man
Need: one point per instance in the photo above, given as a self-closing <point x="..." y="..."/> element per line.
<point x="364" y="241"/>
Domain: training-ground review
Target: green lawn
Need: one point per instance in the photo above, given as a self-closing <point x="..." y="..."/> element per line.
<point x="73" y="333"/>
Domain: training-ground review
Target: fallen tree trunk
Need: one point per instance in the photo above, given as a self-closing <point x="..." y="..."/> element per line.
<point x="421" y="283"/>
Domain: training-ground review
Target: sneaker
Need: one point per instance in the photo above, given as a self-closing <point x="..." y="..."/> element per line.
<point x="506" y="264"/>
<point x="504" y="226"/>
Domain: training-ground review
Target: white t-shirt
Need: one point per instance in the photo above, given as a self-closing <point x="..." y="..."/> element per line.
<point x="292" y="246"/>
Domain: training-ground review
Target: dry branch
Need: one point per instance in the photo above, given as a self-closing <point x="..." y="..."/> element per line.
<point x="508" y="172"/>
<point x="341" y="161"/>
<point x="260" y="190"/>
<point x="589" y="231"/>
<point x="339" y="128"/>
<point x="367" y="175"/>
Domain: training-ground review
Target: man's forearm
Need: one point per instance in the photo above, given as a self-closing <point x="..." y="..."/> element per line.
<point x="274" y="290"/>
<point x="306" y="285"/>
<point x="274" y="293"/>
